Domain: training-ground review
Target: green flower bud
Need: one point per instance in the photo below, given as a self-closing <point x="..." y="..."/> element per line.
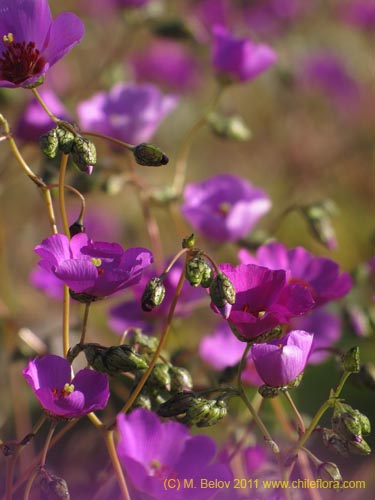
<point x="177" y="404"/>
<point x="329" y="472"/>
<point x="222" y="291"/>
<point x="207" y="276"/>
<point x="83" y="154"/>
<point x="153" y="294"/>
<point x="143" y="401"/>
<point x="53" y="487"/>
<point x="365" y="423"/>
<point x="149" y="155"/>
<point x="113" y="359"/>
<point x="351" y="360"/>
<point x="268" y="392"/>
<point x="160" y="376"/>
<point x="65" y="137"/>
<point x="180" y="379"/>
<point x="49" y="143"/>
<point x="189" y="242"/>
<point x="147" y="343"/>
<point x="205" y="412"/>
<point x="334" y="442"/>
<point x="229" y="127"/>
<point x="318" y="216"/>
<point x="194" y="270"/>
<point x="359" y="446"/>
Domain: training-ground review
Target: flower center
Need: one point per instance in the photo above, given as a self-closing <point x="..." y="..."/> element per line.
<point x="259" y="314"/>
<point x="224" y="208"/>
<point x="19" y="61"/>
<point x="161" y="471"/>
<point x="63" y="393"/>
<point x="97" y="263"/>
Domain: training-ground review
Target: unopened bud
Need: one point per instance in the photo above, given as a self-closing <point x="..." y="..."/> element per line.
<point x="346" y="422"/>
<point x="65" y="137"/>
<point x="334" y="442"/>
<point x="194" y="270"/>
<point x="269" y="392"/>
<point x="113" y="359"/>
<point x="189" y="242"/>
<point x="160" y="376"/>
<point x="365" y="423"/>
<point x="76" y="228"/>
<point x="172" y="28"/>
<point x="149" y="155"/>
<point x="177" y="404"/>
<point x="359" y="446"/>
<point x="205" y="412"/>
<point x="49" y="143"/>
<point x="143" y="401"/>
<point x="83" y="154"/>
<point x="329" y="472"/>
<point x="53" y="487"/>
<point x="180" y="379"/>
<point x="351" y="360"/>
<point x="229" y="127"/>
<point x="318" y="216"/>
<point x="207" y="276"/>
<point x="147" y="343"/>
<point x="153" y="294"/>
<point x="222" y="291"/>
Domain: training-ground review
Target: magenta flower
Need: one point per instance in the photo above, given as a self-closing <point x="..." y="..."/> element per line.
<point x="264" y="299"/>
<point x="31" y="41"/>
<point x="166" y="63"/>
<point x="224" y="207"/>
<point x="129" y="112"/>
<point x="50" y="379"/>
<point x="130" y="314"/>
<point x="321" y="275"/>
<point x="240" y="59"/>
<point x="152" y="451"/>
<point x="279" y="362"/>
<point x="34" y="121"/>
<point x="96" y="269"/>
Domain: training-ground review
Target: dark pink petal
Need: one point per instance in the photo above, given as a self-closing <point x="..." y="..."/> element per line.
<point x="79" y="275"/>
<point x="78" y="242"/>
<point x="47" y="372"/>
<point x="66" y="31"/>
<point x="94" y="386"/>
<point x="54" y="249"/>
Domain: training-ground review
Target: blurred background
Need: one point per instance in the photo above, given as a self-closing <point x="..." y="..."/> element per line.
<point x="311" y="119"/>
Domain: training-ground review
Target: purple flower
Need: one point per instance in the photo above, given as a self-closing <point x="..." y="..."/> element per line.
<point x="96" y="269"/>
<point x="152" y="451"/>
<point x="321" y="275"/>
<point x="168" y="63"/>
<point x="360" y="13"/>
<point x="31" y="41"/>
<point x="129" y="112"/>
<point x="131" y="315"/>
<point x="34" y="121"/>
<point x="224" y="207"/>
<point x="327" y="73"/>
<point x="264" y="299"/>
<point x="50" y="379"/>
<point x="327" y="331"/>
<point x="279" y="362"/>
<point x="47" y="282"/>
<point x="240" y="59"/>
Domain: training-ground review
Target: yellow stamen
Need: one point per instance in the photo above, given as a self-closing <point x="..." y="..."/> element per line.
<point x="9" y="38"/>
<point x="261" y="314"/>
<point x="69" y="388"/>
<point x="97" y="262"/>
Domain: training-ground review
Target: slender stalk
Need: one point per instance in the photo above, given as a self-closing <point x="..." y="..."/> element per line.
<point x="301" y="423"/>
<point x="44" y="105"/>
<point x="162" y="342"/>
<point x="109" y="441"/>
<point x="181" y="162"/>
<point x="84" y="323"/>
<point x="63" y="164"/>
<point x="77" y="193"/>
<point x="153" y="231"/>
<point x="51" y="213"/>
<point x="123" y="144"/>
<point x="173" y="261"/>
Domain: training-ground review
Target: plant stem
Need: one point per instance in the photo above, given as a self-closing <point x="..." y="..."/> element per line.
<point x="109" y="441"/>
<point x="44" y="105"/>
<point x="84" y="323"/>
<point x="301" y="424"/>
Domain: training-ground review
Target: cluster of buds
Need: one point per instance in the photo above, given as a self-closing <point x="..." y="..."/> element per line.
<point x="348" y="427"/>
<point x="191" y="409"/>
<point x="64" y="138"/>
<point x="198" y="272"/>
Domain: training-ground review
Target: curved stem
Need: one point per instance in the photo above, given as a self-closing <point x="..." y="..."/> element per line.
<point x="77" y="193"/>
<point x="51" y="213"/>
<point x="301" y="424"/>
<point x="109" y="441"/>
<point x="153" y="231"/>
<point x="47" y="443"/>
<point x="123" y="144"/>
<point x="173" y="261"/>
<point x="84" y="323"/>
<point x="44" y="105"/>
<point x="162" y="342"/>
<point x="181" y="162"/>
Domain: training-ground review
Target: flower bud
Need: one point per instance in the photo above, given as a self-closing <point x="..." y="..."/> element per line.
<point x="177" y="404"/>
<point x="189" y="242"/>
<point x="143" y="401"/>
<point x="318" y="216"/>
<point x="49" y="143"/>
<point x="194" y="270"/>
<point x="359" y="446"/>
<point x="180" y="379"/>
<point x="346" y="422"/>
<point x="172" y="28"/>
<point x="334" y="442"/>
<point x="83" y="154"/>
<point x="351" y="360"/>
<point x="153" y="294"/>
<point x="329" y="471"/>
<point x="222" y="291"/>
<point x="65" y="137"/>
<point x="147" y="343"/>
<point x="149" y="155"/>
<point x="269" y="392"/>
<point x="53" y="487"/>
<point x="113" y="359"/>
<point x="229" y="127"/>
<point x="160" y="376"/>
<point x="207" y="276"/>
<point x="205" y="412"/>
<point x="365" y="423"/>
<point x="76" y="228"/>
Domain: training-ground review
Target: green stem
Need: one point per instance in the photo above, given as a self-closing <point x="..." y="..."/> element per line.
<point x="44" y="106"/>
<point x="84" y="323"/>
<point x="301" y="424"/>
<point x="109" y="441"/>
